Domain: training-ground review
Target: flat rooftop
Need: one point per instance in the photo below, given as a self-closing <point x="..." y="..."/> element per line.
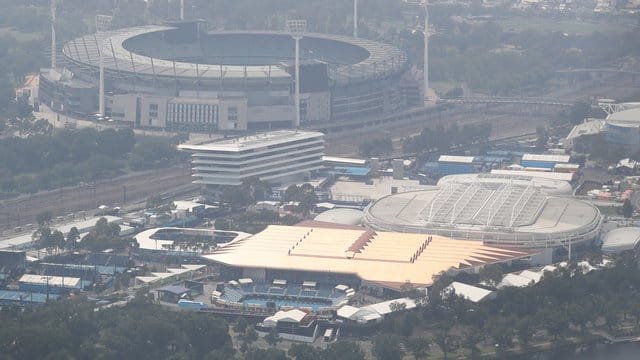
<point x="386" y="258"/>
<point x="253" y="141"/>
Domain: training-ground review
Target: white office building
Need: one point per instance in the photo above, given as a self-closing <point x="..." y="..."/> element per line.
<point x="274" y="157"/>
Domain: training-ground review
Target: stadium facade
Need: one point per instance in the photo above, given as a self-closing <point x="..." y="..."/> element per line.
<point x="181" y="77"/>
<point x="497" y="211"/>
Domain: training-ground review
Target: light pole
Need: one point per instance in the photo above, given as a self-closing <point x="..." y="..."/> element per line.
<point x="103" y="22"/>
<point x="53" y="34"/>
<point x="297" y="28"/>
<point x="425" y="66"/>
<point x="355" y="18"/>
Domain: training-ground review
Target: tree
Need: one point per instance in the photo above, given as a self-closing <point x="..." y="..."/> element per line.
<point x="72" y="237"/>
<point x="578" y="112"/>
<point x="418" y="347"/>
<point x="266" y="354"/>
<point x="306" y="352"/>
<point x="542" y="138"/>
<point x="56" y="240"/>
<point x="241" y="325"/>
<point x="627" y="208"/>
<point x="44" y="218"/>
<point x="344" y="350"/>
<point x="387" y="347"/>
<point x="445" y="341"/>
<point x="492" y="274"/>
<point x="272" y="338"/>
<point x="42" y="237"/>
<point x="249" y="337"/>
<point x="470" y="341"/>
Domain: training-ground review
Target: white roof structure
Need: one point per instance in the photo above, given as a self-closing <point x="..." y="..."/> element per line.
<point x="516" y="281"/>
<point x="472" y="293"/>
<point x="456" y="159"/>
<point x="557" y="158"/>
<point x="53" y="281"/>
<point x="343" y="216"/>
<point x="344" y="161"/>
<point x="621" y="239"/>
<point x="535" y="276"/>
<point x="253" y="142"/>
<point x="586" y="128"/>
<point x="290" y="316"/>
<point x="375" y="311"/>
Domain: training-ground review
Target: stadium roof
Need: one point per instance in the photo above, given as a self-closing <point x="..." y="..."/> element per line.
<point x="251" y="142"/>
<point x="485" y="203"/>
<point x="626" y="118"/>
<point x="386" y="258"/>
<point x="497" y="213"/>
<point x="85" y="50"/>
<point x="621" y="239"/>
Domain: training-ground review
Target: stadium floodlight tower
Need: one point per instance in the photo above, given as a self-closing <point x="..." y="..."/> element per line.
<point x="53" y="34"/>
<point x="355" y="18"/>
<point x="425" y="65"/>
<point x="297" y="28"/>
<point x="103" y="22"/>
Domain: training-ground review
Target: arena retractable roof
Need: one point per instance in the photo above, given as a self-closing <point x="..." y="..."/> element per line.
<point x="502" y="213"/>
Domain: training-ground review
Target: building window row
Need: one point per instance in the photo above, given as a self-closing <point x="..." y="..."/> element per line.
<point x="192" y="113"/>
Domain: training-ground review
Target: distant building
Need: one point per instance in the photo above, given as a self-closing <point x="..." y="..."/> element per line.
<point x="274" y="157"/>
